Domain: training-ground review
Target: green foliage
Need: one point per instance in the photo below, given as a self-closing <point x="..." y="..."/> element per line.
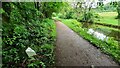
<point x="38" y="34"/>
<point x="111" y="47"/>
<point x="60" y="15"/>
<point x="68" y="12"/>
<point x="74" y="23"/>
<point x="114" y="3"/>
<point x="118" y="10"/>
<point x="48" y="8"/>
<point x="88" y="17"/>
<point x="69" y="15"/>
<point x="54" y="14"/>
<point x="1" y="11"/>
<point x="36" y="63"/>
<point x="79" y="13"/>
<point x="109" y="7"/>
<point x="27" y="28"/>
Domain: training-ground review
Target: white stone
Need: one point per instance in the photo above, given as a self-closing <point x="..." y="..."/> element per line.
<point x="96" y="34"/>
<point x="30" y="52"/>
<point x="99" y="35"/>
<point x="90" y="31"/>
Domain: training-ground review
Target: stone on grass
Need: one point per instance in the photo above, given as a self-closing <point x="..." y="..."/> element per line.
<point x="90" y="31"/>
<point x="99" y="36"/>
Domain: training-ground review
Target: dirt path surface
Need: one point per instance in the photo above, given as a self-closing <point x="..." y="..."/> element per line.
<point x="73" y="50"/>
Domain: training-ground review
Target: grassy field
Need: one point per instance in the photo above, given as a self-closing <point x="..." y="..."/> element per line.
<point x="105" y="27"/>
<point x="108" y="18"/>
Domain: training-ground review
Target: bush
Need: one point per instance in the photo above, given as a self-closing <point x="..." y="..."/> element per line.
<point x="37" y="35"/>
<point x="25" y="29"/>
<point x="88" y="17"/>
<point x="69" y="15"/>
<point x="60" y="15"/>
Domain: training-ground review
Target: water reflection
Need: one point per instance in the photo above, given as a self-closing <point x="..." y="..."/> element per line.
<point x="110" y="33"/>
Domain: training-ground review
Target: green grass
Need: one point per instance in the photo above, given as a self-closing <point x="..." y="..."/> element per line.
<point x="108" y="18"/>
<point x="105" y="27"/>
<point x="110" y="47"/>
<point x="108" y="31"/>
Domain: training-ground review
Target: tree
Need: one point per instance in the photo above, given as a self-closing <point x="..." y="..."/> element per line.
<point x="118" y="10"/>
<point x="88" y="15"/>
<point x="47" y="8"/>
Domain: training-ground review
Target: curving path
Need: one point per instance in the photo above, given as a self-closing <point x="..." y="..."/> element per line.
<point x="73" y="50"/>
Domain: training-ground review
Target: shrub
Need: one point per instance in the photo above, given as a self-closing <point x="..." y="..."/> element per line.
<point x="25" y="29"/>
<point x="88" y="17"/>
